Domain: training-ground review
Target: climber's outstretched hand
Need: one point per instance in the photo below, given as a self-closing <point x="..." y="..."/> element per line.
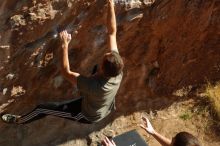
<point x="65" y="37"/>
<point x="110" y="1"/>
<point x="146" y="125"/>
<point x="107" y="142"/>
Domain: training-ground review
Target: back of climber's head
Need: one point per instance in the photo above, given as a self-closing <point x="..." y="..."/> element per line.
<point x="185" y="139"/>
<point x="112" y="64"/>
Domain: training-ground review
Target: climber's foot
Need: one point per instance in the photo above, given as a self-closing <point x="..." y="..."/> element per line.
<point x="9" y="118"/>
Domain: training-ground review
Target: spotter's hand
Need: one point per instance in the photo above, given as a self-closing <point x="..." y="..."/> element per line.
<point x="146" y="125"/>
<point x="107" y="142"/>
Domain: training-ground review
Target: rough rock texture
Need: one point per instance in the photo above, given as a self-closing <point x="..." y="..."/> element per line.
<point x="166" y="44"/>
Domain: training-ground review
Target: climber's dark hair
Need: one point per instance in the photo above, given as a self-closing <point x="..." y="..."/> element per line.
<point x="185" y="139"/>
<point x="112" y="64"/>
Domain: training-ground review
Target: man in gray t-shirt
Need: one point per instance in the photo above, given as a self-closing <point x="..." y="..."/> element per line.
<point x="99" y="95"/>
<point x="98" y="91"/>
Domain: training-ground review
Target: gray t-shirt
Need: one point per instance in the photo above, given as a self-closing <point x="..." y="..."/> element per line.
<point x="98" y="95"/>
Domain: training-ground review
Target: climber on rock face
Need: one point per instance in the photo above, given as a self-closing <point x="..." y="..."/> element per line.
<point x="97" y="91"/>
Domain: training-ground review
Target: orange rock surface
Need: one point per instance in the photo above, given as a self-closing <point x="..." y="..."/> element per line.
<point x="166" y="45"/>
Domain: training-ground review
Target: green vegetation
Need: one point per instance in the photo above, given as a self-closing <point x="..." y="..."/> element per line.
<point x="186" y="116"/>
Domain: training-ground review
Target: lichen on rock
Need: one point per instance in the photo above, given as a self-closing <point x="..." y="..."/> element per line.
<point x="17" y="20"/>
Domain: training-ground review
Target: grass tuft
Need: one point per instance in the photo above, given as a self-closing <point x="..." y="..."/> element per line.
<point x="213" y="94"/>
<point x="185" y="116"/>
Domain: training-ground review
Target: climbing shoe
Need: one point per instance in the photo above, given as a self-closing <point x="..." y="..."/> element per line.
<point x="8" y="118"/>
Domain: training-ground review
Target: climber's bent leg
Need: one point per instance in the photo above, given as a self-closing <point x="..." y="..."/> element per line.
<point x="68" y="109"/>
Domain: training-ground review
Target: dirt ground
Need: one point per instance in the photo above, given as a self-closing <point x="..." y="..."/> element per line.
<point x="188" y="115"/>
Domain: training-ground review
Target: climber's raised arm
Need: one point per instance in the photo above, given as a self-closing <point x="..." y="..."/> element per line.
<point x="65" y="67"/>
<point x="111" y="26"/>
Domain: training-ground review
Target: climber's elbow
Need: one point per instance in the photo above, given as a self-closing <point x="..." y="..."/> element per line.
<point x="70" y="76"/>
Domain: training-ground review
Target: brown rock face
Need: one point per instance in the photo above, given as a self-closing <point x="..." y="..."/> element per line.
<point x="166" y="45"/>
